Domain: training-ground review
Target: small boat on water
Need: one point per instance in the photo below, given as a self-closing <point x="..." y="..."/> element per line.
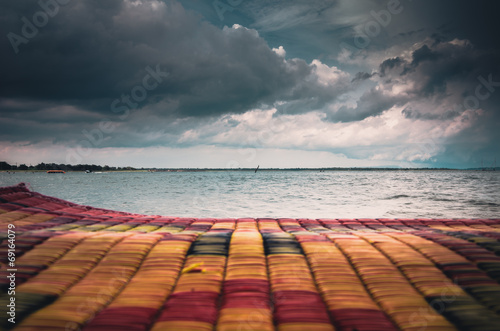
<point x="56" y="172"/>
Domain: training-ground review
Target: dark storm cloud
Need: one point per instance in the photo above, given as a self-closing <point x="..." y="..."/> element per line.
<point x="411" y="113"/>
<point x="474" y="21"/>
<point x="435" y="67"/>
<point x="92" y="52"/>
<point x="437" y="73"/>
<point x="372" y="103"/>
<point x="410" y="33"/>
<point x="389" y="64"/>
<point x="361" y="76"/>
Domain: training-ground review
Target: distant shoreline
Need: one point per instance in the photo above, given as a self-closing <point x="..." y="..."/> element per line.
<point x="260" y="169"/>
<point x="43" y="167"/>
<point x="316" y="169"/>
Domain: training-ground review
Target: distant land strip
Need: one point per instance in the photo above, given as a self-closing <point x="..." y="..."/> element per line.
<point x="4" y="166"/>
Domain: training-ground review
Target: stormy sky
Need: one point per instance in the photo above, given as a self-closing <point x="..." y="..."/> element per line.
<point x="241" y="83"/>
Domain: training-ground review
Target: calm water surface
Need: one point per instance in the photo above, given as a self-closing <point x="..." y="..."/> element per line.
<point x="295" y="194"/>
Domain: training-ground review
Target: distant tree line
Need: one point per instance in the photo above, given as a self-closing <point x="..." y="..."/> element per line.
<point x="66" y="167"/>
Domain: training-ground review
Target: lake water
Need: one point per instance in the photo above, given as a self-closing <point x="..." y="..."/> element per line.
<point x="294" y="194"/>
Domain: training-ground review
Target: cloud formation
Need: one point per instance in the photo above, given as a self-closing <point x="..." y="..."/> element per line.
<point x="91" y="53"/>
<point x="147" y="73"/>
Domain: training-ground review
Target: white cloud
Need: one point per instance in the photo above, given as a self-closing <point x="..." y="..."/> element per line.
<point x="328" y="76"/>
<point x="391" y="132"/>
<point x="280" y="51"/>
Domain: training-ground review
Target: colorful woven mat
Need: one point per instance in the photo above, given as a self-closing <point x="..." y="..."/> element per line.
<point x="70" y="267"/>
